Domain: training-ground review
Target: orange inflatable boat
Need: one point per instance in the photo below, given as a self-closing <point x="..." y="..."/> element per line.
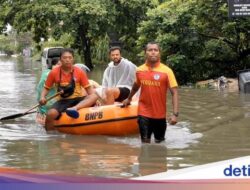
<point x="101" y="120"/>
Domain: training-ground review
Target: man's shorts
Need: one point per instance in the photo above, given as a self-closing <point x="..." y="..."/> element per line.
<point x="124" y="92"/>
<point x="149" y="126"/>
<point x="63" y="104"/>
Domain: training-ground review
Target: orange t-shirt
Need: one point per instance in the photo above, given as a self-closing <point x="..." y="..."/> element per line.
<point x="154" y="83"/>
<point x="80" y="78"/>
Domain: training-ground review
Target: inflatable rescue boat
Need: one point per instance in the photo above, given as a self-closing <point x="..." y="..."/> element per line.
<point x="101" y="120"/>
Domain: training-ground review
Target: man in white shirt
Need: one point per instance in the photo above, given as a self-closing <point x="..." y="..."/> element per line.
<point x="118" y="78"/>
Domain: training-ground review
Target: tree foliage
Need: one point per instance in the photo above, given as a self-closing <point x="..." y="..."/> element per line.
<point x="13" y="43"/>
<point x="128" y="15"/>
<point x="198" y="39"/>
<point x="7" y="45"/>
<point x="83" y="20"/>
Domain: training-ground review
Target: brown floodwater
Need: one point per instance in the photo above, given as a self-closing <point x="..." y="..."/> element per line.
<point x="213" y="125"/>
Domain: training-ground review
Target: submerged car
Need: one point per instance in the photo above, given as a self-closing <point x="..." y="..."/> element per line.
<point x="48" y="54"/>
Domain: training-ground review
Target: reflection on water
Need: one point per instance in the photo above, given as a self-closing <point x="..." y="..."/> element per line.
<point x="213" y="126"/>
<point x="152" y="159"/>
<point x="177" y="137"/>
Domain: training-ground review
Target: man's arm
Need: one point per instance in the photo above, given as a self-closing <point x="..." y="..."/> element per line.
<point x="175" y="100"/>
<point x="90" y="90"/>
<point x="85" y="84"/>
<point x="175" y="103"/>
<point x="134" y="89"/>
<point x="44" y="93"/>
<point x="49" y="82"/>
<point x="89" y="100"/>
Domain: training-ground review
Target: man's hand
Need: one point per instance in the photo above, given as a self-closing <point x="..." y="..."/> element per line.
<point x="42" y="101"/>
<point x="172" y="120"/>
<point x="126" y="102"/>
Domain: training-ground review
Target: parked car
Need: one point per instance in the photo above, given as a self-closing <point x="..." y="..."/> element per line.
<point x="48" y="54"/>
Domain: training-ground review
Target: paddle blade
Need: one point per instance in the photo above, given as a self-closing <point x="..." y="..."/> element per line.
<point x="29" y="111"/>
<point x="15" y="116"/>
<point x="11" y="116"/>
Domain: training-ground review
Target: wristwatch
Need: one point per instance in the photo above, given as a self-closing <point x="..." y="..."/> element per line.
<point x="176" y="114"/>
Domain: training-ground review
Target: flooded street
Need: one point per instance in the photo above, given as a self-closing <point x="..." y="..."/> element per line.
<point x="213" y="126"/>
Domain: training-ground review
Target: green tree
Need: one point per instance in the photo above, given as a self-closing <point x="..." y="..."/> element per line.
<point x="87" y="22"/>
<point x="226" y="40"/>
<point x="6" y="45"/>
<point x="197" y="38"/>
<point x="128" y="16"/>
<point x="83" y="20"/>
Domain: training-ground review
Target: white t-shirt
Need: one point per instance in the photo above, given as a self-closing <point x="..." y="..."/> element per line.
<point x="121" y="75"/>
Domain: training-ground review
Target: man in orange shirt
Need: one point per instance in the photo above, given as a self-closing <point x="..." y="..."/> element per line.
<point x="69" y="79"/>
<point x="154" y="79"/>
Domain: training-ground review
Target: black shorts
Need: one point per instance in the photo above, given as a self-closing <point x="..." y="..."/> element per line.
<point x="148" y="126"/>
<point x="124" y="92"/>
<point x="63" y="104"/>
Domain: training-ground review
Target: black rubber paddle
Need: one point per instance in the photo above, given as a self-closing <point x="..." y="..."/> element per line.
<point x="28" y="111"/>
